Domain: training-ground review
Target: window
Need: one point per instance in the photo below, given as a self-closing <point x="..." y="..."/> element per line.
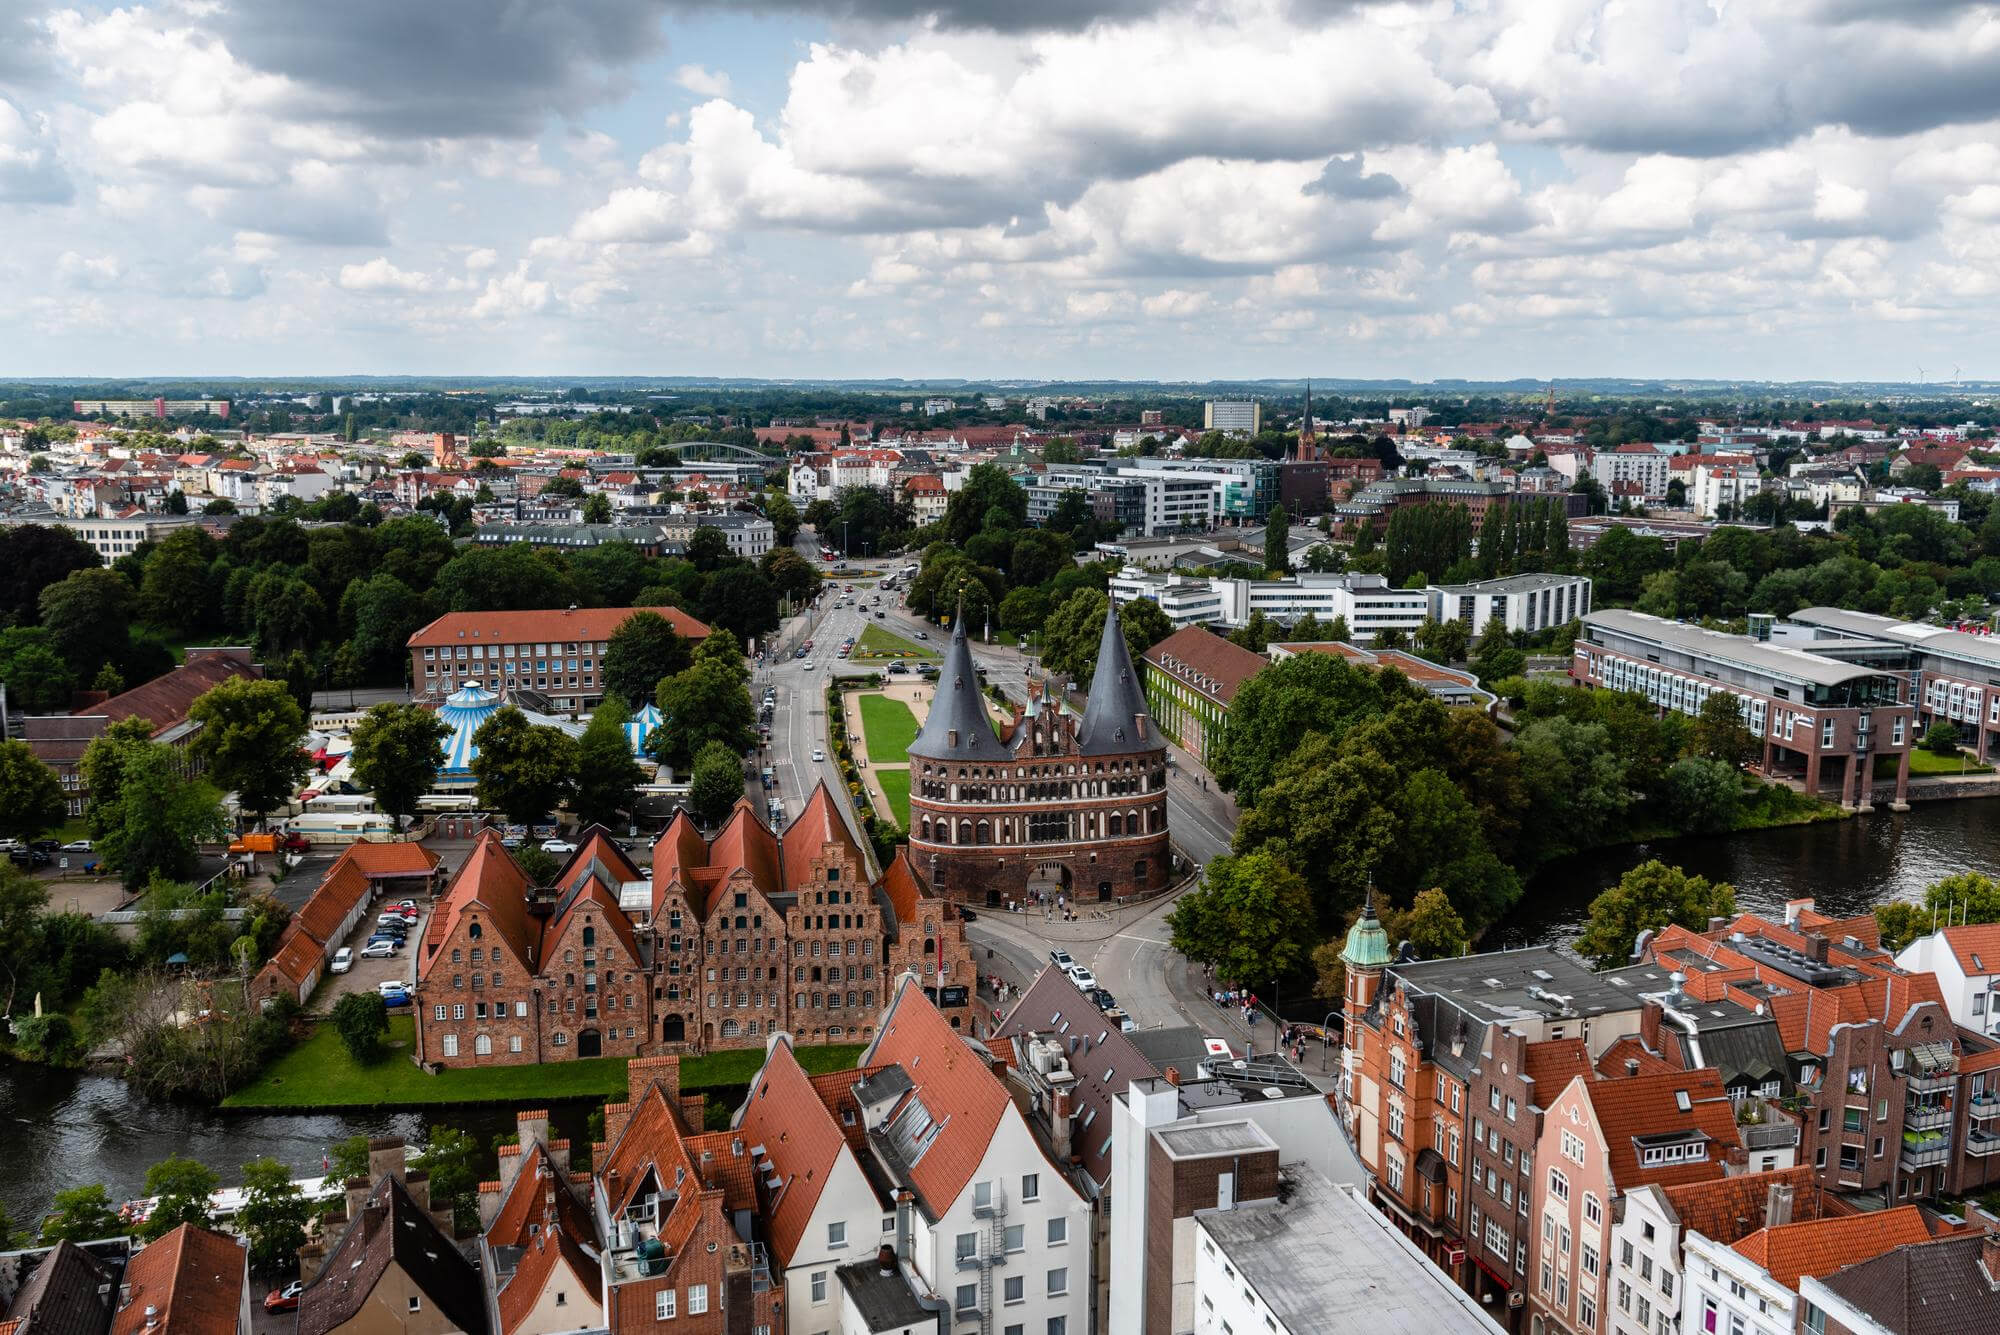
<point x="451" y="1045"/>
<point x="967" y="1300"/>
<point x="1015" y="1290"/>
<point x="1592" y="1211"/>
<point x="416" y="1303"/>
<point x="1589" y="1260"/>
<point x="968" y="1246"/>
<point x="1586" y="1310"/>
<point x="819" y="1286"/>
<point x="1015" y="1239"/>
<point x="663" y="1305"/>
<point x="1031" y="1186"/>
<point x="697" y="1299"/>
<point x="1558" y="1185"/>
<point x="1058" y="1231"/>
<point x="1058" y="1281"/>
<point x="1058" y="1325"/>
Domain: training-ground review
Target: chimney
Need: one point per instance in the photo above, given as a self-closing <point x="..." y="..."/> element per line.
<point x="357" y="1196"/>
<point x="1816" y="947"/>
<point x="533" y="1126"/>
<point x="418" y="1183"/>
<point x="1060" y="1109"/>
<point x="885" y="1259"/>
<point x="1631" y="1066"/>
<point x="385" y="1158"/>
<point x="1989" y="1257"/>
<point x="1717" y="924"/>
<point x="1650" y="1015"/>
<point x="1173" y="1074"/>
<point x="644" y="1071"/>
<point x="311" y="1257"/>
<point x="616" y="1115"/>
<point x="1778" y="1205"/>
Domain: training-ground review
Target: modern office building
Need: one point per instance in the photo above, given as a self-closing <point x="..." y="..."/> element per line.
<point x="1366" y="601"/>
<point x="1818" y="717"/>
<point x="1954" y="676"/>
<point x="160" y="408"/>
<point x="1523" y="604"/>
<point x="1237" y="415"/>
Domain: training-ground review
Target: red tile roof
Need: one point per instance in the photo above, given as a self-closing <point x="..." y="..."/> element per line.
<point x="556" y="623"/>
<point x="801" y="1138"/>
<point x="489" y="881"/>
<point x="806" y="837"/>
<point x="957" y="1086"/>
<point x="1647" y="1105"/>
<point x="544" y="1253"/>
<point x="528" y="1203"/>
<point x="744" y="844"/>
<point x="1552" y="1064"/>
<point x="1821" y="1246"/>
<point x="164" y="701"/>
<point x="1729" y="1209"/>
<point x="191" y="1279"/>
<point x="1197" y="652"/>
<point x="1632" y="1048"/>
<point x="1977" y="948"/>
<point x="339" y="891"/>
<point x="379" y="861"/>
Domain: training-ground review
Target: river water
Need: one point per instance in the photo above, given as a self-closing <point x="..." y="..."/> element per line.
<point x="58" y="1129"/>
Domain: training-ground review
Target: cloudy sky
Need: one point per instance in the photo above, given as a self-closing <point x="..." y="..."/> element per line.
<point x="1046" y="188"/>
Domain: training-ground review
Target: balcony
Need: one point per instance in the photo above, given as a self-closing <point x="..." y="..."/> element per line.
<point x="1924" y="1151"/>
<point x="993" y="1205"/>
<point x="1933" y="1081"/>
<point x="1982" y="1143"/>
<point x="1985" y="1107"/>
<point x="1926" y="1116"/>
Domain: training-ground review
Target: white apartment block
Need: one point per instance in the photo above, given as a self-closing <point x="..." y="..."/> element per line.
<point x="1235" y="415"/>
<point x="1641" y="464"/>
<point x="1966" y="964"/>
<point x="1521" y="603"/>
<point x="1724" y="482"/>
<point x="113" y="538"/>
<point x="1645" y="1265"/>
<point x="1367" y="601"/>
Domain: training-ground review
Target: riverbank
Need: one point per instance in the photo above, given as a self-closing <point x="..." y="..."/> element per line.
<point x="319" y="1076"/>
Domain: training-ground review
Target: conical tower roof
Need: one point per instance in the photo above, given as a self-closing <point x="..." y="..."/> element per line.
<point x="1111" y="716"/>
<point x="1367" y="944"/>
<point x="956" y="728"/>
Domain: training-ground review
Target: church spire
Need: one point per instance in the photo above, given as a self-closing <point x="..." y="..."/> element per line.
<point x="1115" y="719"/>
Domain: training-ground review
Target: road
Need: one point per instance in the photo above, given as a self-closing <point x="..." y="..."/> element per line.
<point x="1129" y="951"/>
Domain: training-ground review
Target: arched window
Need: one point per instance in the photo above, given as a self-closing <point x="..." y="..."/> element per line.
<point x="482" y="1045"/>
<point x="985" y="833"/>
<point x="589" y="936"/>
<point x="1117" y="824"/>
<point x="730" y="1029"/>
<point x="473" y="930"/>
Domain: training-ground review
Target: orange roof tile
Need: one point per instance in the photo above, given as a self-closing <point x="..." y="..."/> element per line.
<point x="899" y="881"/>
<point x="1552" y="1064"/>
<point x="1820" y="1246"/>
<point x="553" y="623"/>
<point x="491" y="881"/>
<point x="1729" y="1209"/>
<point x="298" y="954"/>
<point x="784" y="1114"/>
<point x="745" y="844"/>
<point x="527" y="1203"/>
<point x="1647" y="1105"/>
<point x="1631" y="1048"/>
<point x="383" y="860"/>
<point x="956" y="1085"/>
<point x="1976" y="947"/>
<point x="542" y="1255"/>
<point x="343" y="887"/>
<point x="807" y="836"/>
<point x="191" y="1280"/>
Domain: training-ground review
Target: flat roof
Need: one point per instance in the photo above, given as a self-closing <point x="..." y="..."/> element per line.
<point x="1737" y="650"/>
<point x="1509" y="984"/>
<point x="1201" y="1140"/>
<point x="1511" y="583"/>
<point x="1932" y="639"/>
<point x="1381" y="1283"/>
<point x="884" y="1301"/>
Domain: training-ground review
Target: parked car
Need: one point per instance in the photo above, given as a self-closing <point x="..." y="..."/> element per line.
<point x="408" y="906"/>
<point x="380" y="950"/>
<point x="392" y="985"/>
<point x="49" y="846"/>
<point x="512" y="840"/>
<point x="392" y="919"/>
<point x="967" y="914"/>
<point x="1086" y="982"/>
<point x="285" y="1299"/>
<point x="343" y="960"/>
<point x="1061" y="959"/>
<point x="77" y="846"/>
<point x="558" y="846"/>
<point x="1103" y="1000"/>
<point x="899" y="669"/>
<point x="798" y="653"/>
<point x="395" y="999"/>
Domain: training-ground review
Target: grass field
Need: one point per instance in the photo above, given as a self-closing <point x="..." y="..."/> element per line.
<point x="876" y="642"/>
<point x="896" y="787"/>
<point x="1930" y="762"/>
<point x="318" y="1073"/>
<point x="890" y="728"/>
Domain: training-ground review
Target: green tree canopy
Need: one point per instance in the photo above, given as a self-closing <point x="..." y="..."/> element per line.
<point x="31" y="798"/>
<point x="1649" y="897"/>
<point x="1277" y="541"/>
<point x="81" y="1214"/>
<point x="273" y="1215"/>
<point x="159" y="817"/>
<point x="183" y="1187"/>
<point x="398" y="751"/>
<point x="362" y="1021"/>
<point x="706" y="703"/>
<point x="250" y="738"/>
<point x="523" y="770"/>
<point x="38" y="679"/>
<point x="607" y="772"/>
<point x="642" y="651"/>
<point x="88" y="616"/>
<point x="1251" y="920"/>
<point x="1720" y="733"/>
<point x="716" y="782"/>
<point x="453" y="1160"/>
<point x="1274" y="710"/>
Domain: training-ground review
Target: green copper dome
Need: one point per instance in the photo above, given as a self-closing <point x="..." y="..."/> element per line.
<point x="1367" y="944"/>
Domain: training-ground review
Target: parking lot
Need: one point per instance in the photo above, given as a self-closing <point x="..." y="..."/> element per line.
<point x="367" y="975"/>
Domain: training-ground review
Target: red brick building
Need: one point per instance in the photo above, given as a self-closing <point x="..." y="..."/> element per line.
<point x="558" y="652"/>
<point x="730" y="940"/>
<point x="1055" y="805"/>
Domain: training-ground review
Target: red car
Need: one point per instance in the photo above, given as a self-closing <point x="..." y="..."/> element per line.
<point x="285" y="1299"/>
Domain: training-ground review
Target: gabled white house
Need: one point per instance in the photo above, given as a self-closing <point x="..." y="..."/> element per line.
<point x="1966" y="962"/>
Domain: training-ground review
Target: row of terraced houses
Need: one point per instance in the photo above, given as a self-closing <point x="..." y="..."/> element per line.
<point x="729" y="940"/>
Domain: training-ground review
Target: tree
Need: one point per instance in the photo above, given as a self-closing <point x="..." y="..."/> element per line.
<point x="1580" y="785"/>
<point x="1251" y="920"/>
<point x="381" y="613"/>
<point x="1144" y="625"/>
<point x="108" y="680"/>
<point x="183" y="1187"/>
<point x="1277" y="708"/>
<point x="597" y="508"/>
<point x="1720" y="732"/>
<point x="708" y="702"/>
<point x="1704" y="796"/>
<point x="1073" y="631"/>
<point x="1965" y="897"/>
<point x="34" y="557"/>
<point x="103" y="766"/>
<point x="273" y="1215"/>
<point x="644" y="649"/>
<point x="453" y="1160"/>
<point x="607" y="773"/>
<point x="1495" y="656"/>
<point x="362" y="1021"/>
<point x="540" y="868"/>
<point x="38" y="678"/>
<point x="523" y="770"/>
<point x="81" y="1214"/>
<point x="250" y="738"/>
<point x="31" y="798"/>
<point x="1433" y="926"/>
<point x="398" y="751"/>
<point x="790" y="574"/>
<point x="1023" y="611"/>
<point x="1277" y="541"/>
<point x="784" y="517"/>
<point x="989" y="499"/>
<point x="174" y="590"/>
<point x="1941" y="739"/>
<point x="740" y="599"/>
<point x="716" y="783"/>
<point x="88" y="616"/>
<point x="1649" y="897"/>
<point x="159" y="818"/>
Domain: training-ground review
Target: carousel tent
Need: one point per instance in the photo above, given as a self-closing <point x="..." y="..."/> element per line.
<point x="463" y="711"/>
<point x="640" y="726"/>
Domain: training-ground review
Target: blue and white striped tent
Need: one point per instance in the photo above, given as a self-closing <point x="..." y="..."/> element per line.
<point x="463" y="711"/>
<point x="640" y="726"/>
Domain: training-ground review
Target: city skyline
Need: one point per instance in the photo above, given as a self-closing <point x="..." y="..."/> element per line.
<point x="1111" y="190"/>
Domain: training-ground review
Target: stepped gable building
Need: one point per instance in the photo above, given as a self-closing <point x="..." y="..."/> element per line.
<point x="1054" y="805"/>
<point x="732" y="939"/>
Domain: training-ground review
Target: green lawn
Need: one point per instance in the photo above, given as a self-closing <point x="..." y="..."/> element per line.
<point x="890" y="728"/>
<point x="1930" y="762"/>
<point x="896" y="786"/>
<point x="319" y="1074"/>
<point x="876" y="642"/>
